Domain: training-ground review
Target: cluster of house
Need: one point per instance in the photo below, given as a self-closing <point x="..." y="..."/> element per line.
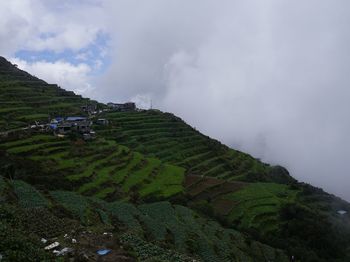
<point x="75" y="124"/>
<point x="72" y="123"/>
<point x="90" y="109"/>
<point x="79" y="124"/>
<point x="129" y="106"/>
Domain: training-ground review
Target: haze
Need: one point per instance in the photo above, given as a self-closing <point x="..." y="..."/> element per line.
<point x="267" y="77"/>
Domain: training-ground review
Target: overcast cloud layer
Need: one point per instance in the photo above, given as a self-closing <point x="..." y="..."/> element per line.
<point x="267" y="77"/>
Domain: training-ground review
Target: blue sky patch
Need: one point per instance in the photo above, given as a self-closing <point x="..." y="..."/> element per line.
<point x="95" y="54"/>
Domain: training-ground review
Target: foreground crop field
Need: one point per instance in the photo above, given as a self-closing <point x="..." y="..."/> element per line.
<point x="166" y="226"/>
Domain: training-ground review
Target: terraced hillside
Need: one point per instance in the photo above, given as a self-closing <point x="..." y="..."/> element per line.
<point x="168" y="138"/>
<point x="250" y="206"/>
<point x="106" y="170"/>
<point x="25" y="99"/>
<point x="100" y="168"/>
<point x="159" y="189"/>
<point x="109" y="171"/>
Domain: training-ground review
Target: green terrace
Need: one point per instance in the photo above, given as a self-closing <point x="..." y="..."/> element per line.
<point x="107" y="170"/>
<point x="246" y="205"/>
<point x="164" y="136"/>
<point x="258" y="205"/>
<point x="100" y="168"/>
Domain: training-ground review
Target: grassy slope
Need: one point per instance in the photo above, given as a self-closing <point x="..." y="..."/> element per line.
<point x="150" y="156"/>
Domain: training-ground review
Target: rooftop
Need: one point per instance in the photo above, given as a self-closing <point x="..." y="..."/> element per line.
<point x="75" y="118"/>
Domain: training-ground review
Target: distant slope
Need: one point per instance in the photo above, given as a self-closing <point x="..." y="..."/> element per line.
<point x="25" y="99"/>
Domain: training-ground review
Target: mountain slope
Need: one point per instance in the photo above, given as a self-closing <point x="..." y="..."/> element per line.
<point x="166" y="190"/>
<point x="25" y="99"/>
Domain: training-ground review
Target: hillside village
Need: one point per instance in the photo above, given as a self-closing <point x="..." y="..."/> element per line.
<point x="78" y="124"/>
<point x="83" y="124"/>
<point x="85" y="181"/>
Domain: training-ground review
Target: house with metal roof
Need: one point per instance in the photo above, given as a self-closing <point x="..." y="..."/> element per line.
<point x="102" y="121"/>
<point x="72" y="124"/>
<point x="75" y="118"/>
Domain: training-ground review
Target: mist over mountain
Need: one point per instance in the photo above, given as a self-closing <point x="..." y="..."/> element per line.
<point x="267" y="77"/>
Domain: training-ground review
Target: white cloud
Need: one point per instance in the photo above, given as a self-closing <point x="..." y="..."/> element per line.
<point x="268" y="77"/>
<point x="68" y="76"/>
<point x="45" y="25"/>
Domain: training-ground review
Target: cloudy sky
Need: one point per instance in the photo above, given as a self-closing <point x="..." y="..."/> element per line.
<point x="267" y="77"/>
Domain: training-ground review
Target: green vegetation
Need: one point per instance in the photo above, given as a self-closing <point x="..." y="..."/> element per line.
<point x="100" y="168"/>
<point x="149" y="252"/>
<point x="74" y="203"/>
<point x="158" y="230"/>
<point x="2" y="184"/>
<point x="258" y="206"/>
<point x="167" y="137"/>
<point x="15" y="242"/>
<point x="25" y="99"/>
<point x="28" y="197"/>
<point x="163" y="190"/>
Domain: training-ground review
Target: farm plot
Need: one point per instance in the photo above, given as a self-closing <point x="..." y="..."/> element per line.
<point x="165" y="183"/>
<point x="200" y="187"/>
<point x="221" y="189"/>
<point x="146" y="251"/>
<point x="28" y="196"/>
<point x="212" y="191"/>
<point x="75" y="203"/>
<point x="126" y="213"/>
<point x="130" y="173"/>
<point x="258" y="205"/>
<point x="190" y="233"/>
